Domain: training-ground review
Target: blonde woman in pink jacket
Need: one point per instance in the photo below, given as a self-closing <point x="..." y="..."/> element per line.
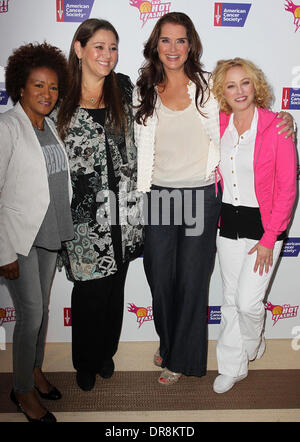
<point x="259" y="186"/>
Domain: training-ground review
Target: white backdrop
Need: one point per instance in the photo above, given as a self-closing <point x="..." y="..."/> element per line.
<point x="260" y="30"/>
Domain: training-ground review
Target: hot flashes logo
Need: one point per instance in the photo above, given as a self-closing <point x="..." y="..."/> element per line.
<point x="231" y="14"/>
<point x="3" y="6"/>
<point x="7" y="314"/>
<point x="142" y="313"/>
<point x="150" y="9"/>
<point x="295" y="10"/>
<point x="282" y="311"/>
<point x="73" y="12"/>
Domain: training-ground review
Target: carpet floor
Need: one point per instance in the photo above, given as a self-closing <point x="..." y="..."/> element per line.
<point x="140" y="391"/>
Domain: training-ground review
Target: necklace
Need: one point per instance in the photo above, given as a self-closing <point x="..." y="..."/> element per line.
<point x="36" y="126"/>
<point x="92" y="101"/>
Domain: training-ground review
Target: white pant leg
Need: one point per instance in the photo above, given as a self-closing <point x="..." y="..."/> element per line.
<point x="230" y="348"/>
<point x="251" y="293"/>
<point x="243" y="309"/>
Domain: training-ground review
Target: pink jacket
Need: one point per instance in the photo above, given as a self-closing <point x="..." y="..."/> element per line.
<point x="274" y="174"/>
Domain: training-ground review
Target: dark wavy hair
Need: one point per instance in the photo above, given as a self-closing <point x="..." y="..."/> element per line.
<point x="29" y="57"/>
<point x="152" y="72"/>
<point x="112" y="94"/>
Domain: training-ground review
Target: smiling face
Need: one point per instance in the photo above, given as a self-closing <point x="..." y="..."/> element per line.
<point x="99" y="56"/>
<point x="173" y="46"/>
<point x="239" y="90"/>
<point x="40" y="93"/>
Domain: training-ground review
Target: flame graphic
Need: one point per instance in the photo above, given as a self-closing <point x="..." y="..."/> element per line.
<point x="142" y="5"/>
<point x="142" y="313"/>
<point x="295" y="10"/>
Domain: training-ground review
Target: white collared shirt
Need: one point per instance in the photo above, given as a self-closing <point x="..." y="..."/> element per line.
<point x="237" y="153"/>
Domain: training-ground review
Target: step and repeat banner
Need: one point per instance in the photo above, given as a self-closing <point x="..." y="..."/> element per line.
<point x="264" y="31"/>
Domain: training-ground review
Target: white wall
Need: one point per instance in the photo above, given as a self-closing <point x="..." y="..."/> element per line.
<point x="268" y="37"/>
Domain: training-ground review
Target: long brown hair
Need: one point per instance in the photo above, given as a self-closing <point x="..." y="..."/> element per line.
<point x="152" y="72"/>
<point x="112" y="94"/>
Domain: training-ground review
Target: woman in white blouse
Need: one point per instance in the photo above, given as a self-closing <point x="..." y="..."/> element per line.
<point x="258" y="166"/>
<point x="178" y="152"/>
<point x="177" y="135"/>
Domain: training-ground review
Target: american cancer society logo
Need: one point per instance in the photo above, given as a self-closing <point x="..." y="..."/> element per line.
<point x="3" y="93"/>
<point x="295" y="10"/>
<point x="231" y="14"/>
<point x="73" y="11"/>
<point x="214" y="314"/>
<point x="290" y="98"/>
<point x="67" y="317"/>
<point x="291" y="247"/>
<point x="150" y="9"/>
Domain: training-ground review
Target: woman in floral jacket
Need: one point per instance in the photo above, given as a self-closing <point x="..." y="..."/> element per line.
<point x="96" y="123"/>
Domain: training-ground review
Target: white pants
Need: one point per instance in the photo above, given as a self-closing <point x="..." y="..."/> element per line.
<point x="243" y="310"/>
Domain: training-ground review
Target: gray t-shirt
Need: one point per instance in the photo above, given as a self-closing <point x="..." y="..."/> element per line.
<point x="57" y="225"/>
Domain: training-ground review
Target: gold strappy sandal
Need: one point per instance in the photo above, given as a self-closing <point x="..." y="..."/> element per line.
<point x="157" y="359"/>
<point x="168" y="377"/>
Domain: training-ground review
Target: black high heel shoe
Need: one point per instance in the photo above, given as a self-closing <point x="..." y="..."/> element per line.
<point x="47" y="418"/>
<point x="107" y="369"/>
<point x="53" y="395"/>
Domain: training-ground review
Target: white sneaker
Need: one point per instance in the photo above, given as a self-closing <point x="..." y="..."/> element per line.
<point x="261" y="349"/>
<point x="224" y="383"/>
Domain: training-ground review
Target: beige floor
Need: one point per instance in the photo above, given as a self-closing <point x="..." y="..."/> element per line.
<point x="138" y="356"/>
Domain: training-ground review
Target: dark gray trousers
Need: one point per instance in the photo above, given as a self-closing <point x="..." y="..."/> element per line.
<point x="30" y="294"/>
<point x="178" y="269"/>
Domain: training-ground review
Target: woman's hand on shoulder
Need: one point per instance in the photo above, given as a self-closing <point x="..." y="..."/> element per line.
<point x="264" y="258"/>
<point x="286" y="125"/>
<point x="10" y="271"/>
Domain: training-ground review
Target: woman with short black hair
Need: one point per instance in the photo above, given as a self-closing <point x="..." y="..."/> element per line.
<point x="35" y="215"/>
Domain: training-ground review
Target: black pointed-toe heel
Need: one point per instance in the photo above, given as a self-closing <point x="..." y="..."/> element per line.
<point x="47" y="418"/>
<point x="53" y="395"/>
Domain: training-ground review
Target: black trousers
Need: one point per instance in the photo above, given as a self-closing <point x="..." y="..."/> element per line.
<point x="97" y="315"/>
<point x="178" y="269"/>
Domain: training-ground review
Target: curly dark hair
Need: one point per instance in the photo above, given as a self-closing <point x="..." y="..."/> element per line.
<point x="31" y="56"/>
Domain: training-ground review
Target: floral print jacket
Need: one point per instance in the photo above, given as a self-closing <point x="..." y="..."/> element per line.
<point x="90" y="255"/>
